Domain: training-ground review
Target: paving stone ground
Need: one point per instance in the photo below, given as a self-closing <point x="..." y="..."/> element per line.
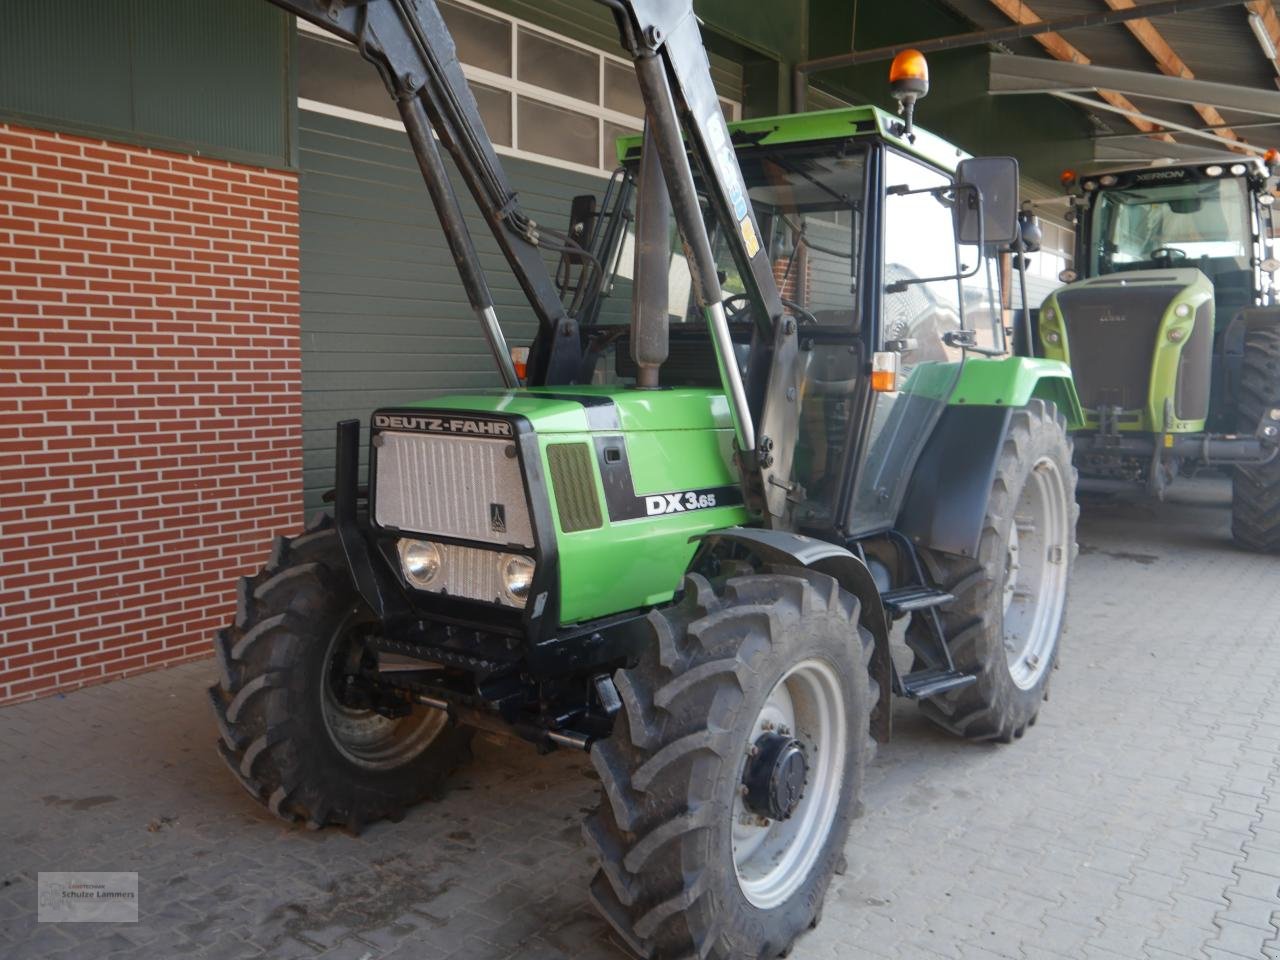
<point x="1139" y="819"/>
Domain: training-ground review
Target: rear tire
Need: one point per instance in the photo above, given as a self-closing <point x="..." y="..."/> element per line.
<point x="1255" y="491"/>
<point x="1006" y="621"/>
<point x="685" y="869"/>
<point x="286" y="733"/>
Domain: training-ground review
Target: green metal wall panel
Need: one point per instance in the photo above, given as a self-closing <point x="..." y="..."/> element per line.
<point x="384" y="318"/>
<point x="197" y="77"/>
<point x="778" y="29"/>
<point x="213" y="73"/>
<point x="67" y="60"/>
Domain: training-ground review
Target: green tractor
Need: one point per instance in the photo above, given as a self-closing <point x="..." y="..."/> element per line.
<point x="680" y="545"/>
<point x="1171" y="328"/>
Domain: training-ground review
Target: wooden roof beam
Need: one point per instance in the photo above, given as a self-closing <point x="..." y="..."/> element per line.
<point x="1171" y="64"/>
<point x="1060" y="49"/>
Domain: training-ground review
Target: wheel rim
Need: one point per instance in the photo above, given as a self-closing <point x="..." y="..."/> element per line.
<point x="772" y="859"/>
<point x="365" y="737"/>
<point x="1035" y="578"/>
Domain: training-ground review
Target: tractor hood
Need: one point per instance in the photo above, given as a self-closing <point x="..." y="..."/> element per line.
<point x="1139" y="344"/>
<point x="585" y="409"/>
<point x="606" y="490"/>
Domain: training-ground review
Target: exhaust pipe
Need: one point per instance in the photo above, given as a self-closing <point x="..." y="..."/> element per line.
<point x="650" y="343"/>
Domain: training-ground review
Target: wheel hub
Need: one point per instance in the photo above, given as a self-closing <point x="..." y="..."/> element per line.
<point x="775" y="776"/>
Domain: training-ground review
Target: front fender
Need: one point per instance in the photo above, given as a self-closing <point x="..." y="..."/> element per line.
<point x="782" y="548"/>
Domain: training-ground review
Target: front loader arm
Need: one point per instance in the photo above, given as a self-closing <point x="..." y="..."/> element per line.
<point x="409" y="44"/>
<point x="684" y="118"/>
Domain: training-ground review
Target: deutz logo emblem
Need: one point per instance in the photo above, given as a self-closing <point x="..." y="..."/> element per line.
<point x="497" y="518"/>
<point x="426" y="424"/>
<point x="1110" y="317"/>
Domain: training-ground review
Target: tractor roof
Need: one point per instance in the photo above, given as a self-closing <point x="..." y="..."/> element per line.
<point x="837" y="124"/>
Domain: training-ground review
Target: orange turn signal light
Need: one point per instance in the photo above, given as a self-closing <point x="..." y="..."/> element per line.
<point x="1271" y="157"/>
<point x="884" y="372"/>
<point x="1067" y="177"/>
<point x="520" y="360"/>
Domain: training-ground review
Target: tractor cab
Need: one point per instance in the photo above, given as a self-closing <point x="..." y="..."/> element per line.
<point x="888" y="279"/>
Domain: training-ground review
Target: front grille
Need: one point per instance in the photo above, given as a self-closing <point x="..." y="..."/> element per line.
<point x="469" y="488"/>
<point x="572" y="480"/>
<point x="1111" y="332"/>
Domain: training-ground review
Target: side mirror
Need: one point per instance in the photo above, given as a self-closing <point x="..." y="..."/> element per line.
<point x="993" y="219"/>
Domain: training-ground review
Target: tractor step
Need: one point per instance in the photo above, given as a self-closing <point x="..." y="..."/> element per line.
<point x="905" y="600"/>
<point x="923" y="684"/>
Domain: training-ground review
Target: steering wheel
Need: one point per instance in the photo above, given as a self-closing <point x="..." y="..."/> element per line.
<point x="738" y="307"/>
<point x="1168" y="253"/>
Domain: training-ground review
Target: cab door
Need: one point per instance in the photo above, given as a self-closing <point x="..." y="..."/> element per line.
<point x="917" y="242"/>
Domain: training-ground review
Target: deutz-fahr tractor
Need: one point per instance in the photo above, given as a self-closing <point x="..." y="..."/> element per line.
<point x="1171" y="328"/>
<point x="680" y="545"/>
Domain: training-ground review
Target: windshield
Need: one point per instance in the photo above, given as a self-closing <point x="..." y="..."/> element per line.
<point x="809" y="207"/>
<point x="1203" y="224"/>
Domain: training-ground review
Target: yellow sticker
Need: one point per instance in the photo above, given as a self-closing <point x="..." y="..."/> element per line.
<point x="749" y="237"/>
<point x="1168" y="440"/>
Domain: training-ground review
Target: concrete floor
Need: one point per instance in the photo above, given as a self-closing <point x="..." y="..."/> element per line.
<point x="1140" y="818"/>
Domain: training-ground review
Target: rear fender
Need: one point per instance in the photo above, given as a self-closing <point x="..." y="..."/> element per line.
<point x="946" y="499"/>
<point x="1014" y="381"/>
<point x="782" y="548"/>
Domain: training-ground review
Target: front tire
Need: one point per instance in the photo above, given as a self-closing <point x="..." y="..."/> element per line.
<point x="289" y="730"/>
<point x="688" y="866"/>
<point x="1006" y="621"/>
<point x="1255" y="491"/>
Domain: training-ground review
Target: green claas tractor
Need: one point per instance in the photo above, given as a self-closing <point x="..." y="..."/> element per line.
<point x="1171" y="328"/>
<point x="680" y="545"/>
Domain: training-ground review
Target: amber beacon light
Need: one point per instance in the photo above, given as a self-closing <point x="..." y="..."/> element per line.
<point x="908" y="82"/>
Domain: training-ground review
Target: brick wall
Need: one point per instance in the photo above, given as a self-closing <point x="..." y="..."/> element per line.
<point x="150" y="410"/>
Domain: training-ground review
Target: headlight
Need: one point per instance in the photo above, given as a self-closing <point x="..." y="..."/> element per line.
<point x="1238" y="169"/>
<point x="1052" y="336"/>
<point x="1107" y="181"/>
<point x="420" y="560"/>
<point x="1214" y="170"/>
<point x="1182" y="310"/>
<point x="517" y="577"/>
